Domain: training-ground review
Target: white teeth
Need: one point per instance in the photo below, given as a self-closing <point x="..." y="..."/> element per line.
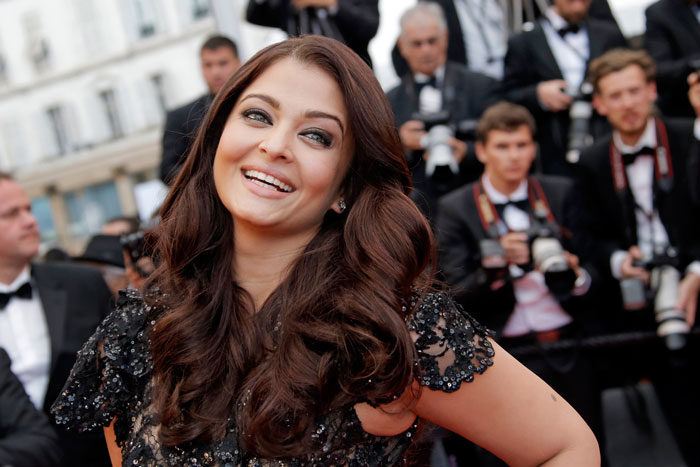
<point x="265" y="180"/>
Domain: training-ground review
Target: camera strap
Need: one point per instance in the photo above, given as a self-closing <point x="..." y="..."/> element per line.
<point x="663" y="167"/>
<point x="488" y="213"/>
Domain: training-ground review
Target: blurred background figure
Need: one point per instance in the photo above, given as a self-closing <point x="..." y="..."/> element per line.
<point x="219" y="59"/>
<point x="104" y="252"/>
<point x="47" y="312"/>
<point x="672" y="38"/>
<point x="121" y="225"/>
<point x="26" y="437"/>
<point x="436" y="106"/>
<point x="545" y="68"/>
<point x="353" y="22"/>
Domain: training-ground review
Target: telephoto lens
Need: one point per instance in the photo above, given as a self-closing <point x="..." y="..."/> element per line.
<point x="437" y="142"/>
<point x="671" y="324"/>
<point x="548" y="258"/>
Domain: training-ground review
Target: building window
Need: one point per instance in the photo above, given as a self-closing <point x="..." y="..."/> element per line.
<point x="3" y="69"/>
<point x="158" y="86"/>
<point x="89" y="208"/>
<point x="199" y="9"/>
<point x="109" y="103"/>
<point x="59" y="130"/>
<point x="41" y="208"/>
<point x="145" y="18"/>
<point x="37" y="45"/>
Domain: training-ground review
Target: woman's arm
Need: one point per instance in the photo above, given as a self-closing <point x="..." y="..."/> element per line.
<point x="115" y="454"/>
<point x="511" y="412"/>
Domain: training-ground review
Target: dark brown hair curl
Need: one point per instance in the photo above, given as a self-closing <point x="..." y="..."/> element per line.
<point x="333" y="333"/>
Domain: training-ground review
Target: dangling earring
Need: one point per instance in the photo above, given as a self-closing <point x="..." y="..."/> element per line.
<point x="342" y="206"/>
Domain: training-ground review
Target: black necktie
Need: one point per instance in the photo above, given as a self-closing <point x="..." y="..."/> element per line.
<point x="432" y="81"/>
<point x="630" y="157"/>
<point x="520" y="204"/>
<point x="569" y="28"/>
<point x="25" y="292"/>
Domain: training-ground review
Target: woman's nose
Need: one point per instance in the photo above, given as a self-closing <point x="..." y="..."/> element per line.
<point x="277" y="143"/>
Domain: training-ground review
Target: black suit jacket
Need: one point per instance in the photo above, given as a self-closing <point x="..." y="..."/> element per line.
<point x="26" y="438"/>
<point x="672" y="38"/>
<point x="466" y="95"/>
<point x="611" y="216"/>
<point x="180" y="130"/>
<point x="75" y="299"/>
<point x="459" y="231"/>
<point x="356" y="21"/>
<point x="528" y="62"/>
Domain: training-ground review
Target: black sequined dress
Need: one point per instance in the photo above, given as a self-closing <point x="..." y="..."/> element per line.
<point x="111" y="378"/>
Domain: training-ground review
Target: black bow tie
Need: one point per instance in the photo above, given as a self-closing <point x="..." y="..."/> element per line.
<point x="522" y="204"/>
<point x="569" y="28"/>
<point x="25" y="292"/>
<point x="630" y="157"/>
<point x="432" y="81"/>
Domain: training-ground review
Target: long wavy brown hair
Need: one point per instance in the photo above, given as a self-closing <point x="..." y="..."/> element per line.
<point x="333" y="333"/>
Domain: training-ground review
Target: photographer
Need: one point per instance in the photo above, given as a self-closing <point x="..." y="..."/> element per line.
<point x="647" y="231"/>
<point x="544" y="70"/>
<point x="434" y="85"/>
<point x="672" y="38"/>
<point x="508" y="246"/>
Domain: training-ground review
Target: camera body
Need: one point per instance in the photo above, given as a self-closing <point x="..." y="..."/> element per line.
<point x="580" y="114"/>
<point x="547" y="256"/>
<point x="439" y="130"/>
<point x="662" y="293"/>
<point x="138" y="248"/>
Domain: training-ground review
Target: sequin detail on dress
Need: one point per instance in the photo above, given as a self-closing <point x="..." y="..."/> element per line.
<point x="111" y="378"/>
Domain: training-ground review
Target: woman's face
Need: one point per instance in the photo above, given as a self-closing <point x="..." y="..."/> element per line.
<point x="284" y="150"/>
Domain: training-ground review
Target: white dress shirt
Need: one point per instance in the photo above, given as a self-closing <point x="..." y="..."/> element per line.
<point x="571" y="51"/>
<point x="24" y="335"/>
<point x="536" y="309"/>
<point x="484" y="29"/>
<point x="651" y="234"/>
<point x="430" y="98"/>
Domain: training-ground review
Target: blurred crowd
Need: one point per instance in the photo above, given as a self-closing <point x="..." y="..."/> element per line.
<point x="559" y="167"/>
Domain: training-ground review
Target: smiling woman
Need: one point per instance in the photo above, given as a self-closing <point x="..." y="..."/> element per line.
<point x="291" y="320"/>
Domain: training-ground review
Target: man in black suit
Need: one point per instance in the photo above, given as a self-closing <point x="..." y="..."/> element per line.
<point x="353" y="22"/>
<point x="672" y="38"/>
<point x="635" y="187"/>
<point x="434" y="85"/>
<point x="219" y="58"/>
<point x="26" y="438"/>
<point x="547" y="64"/>
<point x="47" y="312"/>
<point x="490" y="236"/>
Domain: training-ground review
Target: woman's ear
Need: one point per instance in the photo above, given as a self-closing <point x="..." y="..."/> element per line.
<point x="339" y="206"/>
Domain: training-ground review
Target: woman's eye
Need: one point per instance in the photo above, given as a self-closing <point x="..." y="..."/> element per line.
<point x="319" y="137"/>
<point x="256" y="115"/>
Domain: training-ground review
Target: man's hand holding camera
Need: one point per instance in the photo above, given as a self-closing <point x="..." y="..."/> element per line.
<point x="627" y="268"/>
<point x="517" y="251"/>
<point x="413" y="131"/>
<point x="553" y="96"/>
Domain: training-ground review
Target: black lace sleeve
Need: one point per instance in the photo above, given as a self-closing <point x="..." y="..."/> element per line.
<point x="111" y="369"/>
<point x="451" y="345"/>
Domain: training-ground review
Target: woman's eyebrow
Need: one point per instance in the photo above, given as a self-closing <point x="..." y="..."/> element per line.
<point x="319" y="114"/>
<point x="270" y="100"/>
<point x="309" y="114"/>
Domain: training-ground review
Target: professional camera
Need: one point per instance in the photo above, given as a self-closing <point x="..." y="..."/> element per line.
<point x="436" y="141"/>
<point x="139" y="249"/>
<point x="493" y="259"/>
<point x="548" y="258"/>
<point x="663" y="292"/>
<point x="580" y="114"/>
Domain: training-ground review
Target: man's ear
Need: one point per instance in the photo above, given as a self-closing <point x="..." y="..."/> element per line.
<point x="598" y="105"/>
<point x="480" y="152"/>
